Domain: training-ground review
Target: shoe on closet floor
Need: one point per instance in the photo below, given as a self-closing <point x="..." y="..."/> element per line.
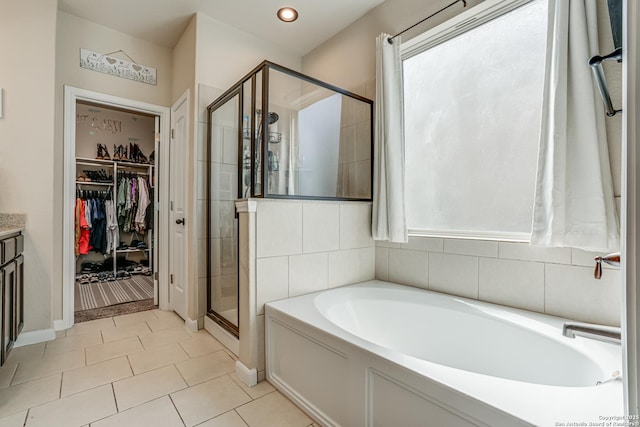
<point x="105" y="154"/>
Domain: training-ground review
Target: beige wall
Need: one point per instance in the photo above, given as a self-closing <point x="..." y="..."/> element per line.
<point x="348" y="59"/>
<point x="75" y="33"/>
<point x="545" y="280"/>
<point x="27" y="75"/>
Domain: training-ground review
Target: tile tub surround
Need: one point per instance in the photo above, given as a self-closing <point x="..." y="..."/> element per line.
<point x="162" y="376"/>
<point x="555" y="281"/>
<point x="296" y="247"/>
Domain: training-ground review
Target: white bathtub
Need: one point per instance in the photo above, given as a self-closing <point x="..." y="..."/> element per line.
<point x="381" y="354"/>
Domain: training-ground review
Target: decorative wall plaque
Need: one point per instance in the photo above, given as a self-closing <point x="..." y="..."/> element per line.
<point x="104" y="63"/>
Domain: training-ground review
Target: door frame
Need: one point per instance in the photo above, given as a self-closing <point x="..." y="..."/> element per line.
<point x="185" y="98"/>
<point x="631" y="207"/>
<point x="71" y="96"/>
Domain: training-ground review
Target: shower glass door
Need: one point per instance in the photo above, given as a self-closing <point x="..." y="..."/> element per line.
<point x="224" y="135"/>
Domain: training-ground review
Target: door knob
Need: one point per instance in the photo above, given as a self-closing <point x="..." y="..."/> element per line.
<point x="180" y="221"/>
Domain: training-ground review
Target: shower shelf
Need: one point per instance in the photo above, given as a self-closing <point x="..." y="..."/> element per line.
<point x="274" y="137"/>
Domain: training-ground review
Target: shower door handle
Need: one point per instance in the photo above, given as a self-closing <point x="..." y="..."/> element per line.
<point x="180" y="221"/>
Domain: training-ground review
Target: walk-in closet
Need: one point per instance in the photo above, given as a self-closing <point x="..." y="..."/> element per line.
<point x="115" y="227"/>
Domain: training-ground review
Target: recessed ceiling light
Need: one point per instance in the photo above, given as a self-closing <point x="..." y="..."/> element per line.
<point x="287" y="14"/>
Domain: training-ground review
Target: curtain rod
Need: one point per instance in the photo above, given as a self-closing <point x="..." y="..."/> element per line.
<point x="390" y="39"/>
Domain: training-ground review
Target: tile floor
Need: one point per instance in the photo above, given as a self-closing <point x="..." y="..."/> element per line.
<point x="141" y="369"/>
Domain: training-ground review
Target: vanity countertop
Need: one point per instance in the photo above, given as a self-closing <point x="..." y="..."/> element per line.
<point x="11" y="223"/>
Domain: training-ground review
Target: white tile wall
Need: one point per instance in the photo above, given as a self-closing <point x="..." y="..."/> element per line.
<point x="324" y="244"/>
<point x="279" y="228"/>
<point x="367" y="263"/>
<point x="454" y="274"/>
<point x="516" y="283"/>
<point x="308" y="273"/>
<point x="272" y="276"/>
<point x="344" y="267"/>
<point x="382" y="263"/>
<point x="573" y="292"/>
<point x="408" y="267"/>
<point x="524" y="251"/>
<point x="557" y="281"/>
<point x="321" y="227"/>
<point x="355" y="225"/>
<point x="471" y="247"/>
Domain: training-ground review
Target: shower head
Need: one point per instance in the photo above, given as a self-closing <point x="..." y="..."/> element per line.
<point x="273" y="117"/>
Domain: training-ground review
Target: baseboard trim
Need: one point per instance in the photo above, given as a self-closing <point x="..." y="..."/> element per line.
<point x="248" y="376"/>
<point x="191" y="325"/>
<point x="225" y="338"/>
<point x="34" y="337"/>
<point x="60" y="325"/>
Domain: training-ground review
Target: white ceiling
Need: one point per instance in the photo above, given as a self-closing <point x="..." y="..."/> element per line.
<point x="163" y="21"/>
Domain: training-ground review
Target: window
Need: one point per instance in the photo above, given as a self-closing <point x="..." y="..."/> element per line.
<point x="472" y="116"/>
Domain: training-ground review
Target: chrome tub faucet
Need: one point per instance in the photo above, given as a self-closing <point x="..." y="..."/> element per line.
<point x="611" y="259"/>
<point x="609" y="334"/>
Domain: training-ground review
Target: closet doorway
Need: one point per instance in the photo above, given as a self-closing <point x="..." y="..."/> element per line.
<point x="115" y="260"/>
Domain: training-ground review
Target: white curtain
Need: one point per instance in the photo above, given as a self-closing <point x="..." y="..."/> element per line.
<point x="574" y="202"/>
<point x="388" y="221"/>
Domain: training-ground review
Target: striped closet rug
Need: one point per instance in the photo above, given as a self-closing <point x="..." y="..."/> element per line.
<point x="97" y="295"/>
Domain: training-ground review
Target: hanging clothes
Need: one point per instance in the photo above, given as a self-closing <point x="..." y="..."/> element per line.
<point x="83" y="246"/>
<point x="143" y="202"/>
<point x="113" y="231"/>
<point x="77" y="227"/>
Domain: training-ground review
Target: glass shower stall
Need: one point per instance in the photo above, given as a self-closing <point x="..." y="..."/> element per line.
<point x="278" y="134"/>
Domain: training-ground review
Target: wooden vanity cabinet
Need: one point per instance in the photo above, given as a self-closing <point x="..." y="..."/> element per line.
<point x="12" y="292"/>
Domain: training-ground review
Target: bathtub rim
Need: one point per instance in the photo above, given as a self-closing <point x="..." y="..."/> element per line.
<point x="605" y="396"/>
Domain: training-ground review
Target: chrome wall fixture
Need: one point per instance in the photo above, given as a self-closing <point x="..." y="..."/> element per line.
<point x="598" y="73"/>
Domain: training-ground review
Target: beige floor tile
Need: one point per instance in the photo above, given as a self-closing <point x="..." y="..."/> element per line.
<point x="161" y="314"/>
<point x="74" y="342"/>
<point x="133" y="318"/>
<point x="166" y="322"/>
<point x="165" y="337"/>
<point x="76" y="410"/>
<point x="157" y="413"/>
<point x="209" y="399"/>
<point x="273" y="410"/>
<point x="61" y="334"/>
<point x="229" y="419"/>
<point x="39" y="368"/>
<point x="157" y="357"/>
<point x="148" y="386"/>
<point x="15" y="420"/>
<point x="257" y="391"/>
<point x="91" y="326"/>
<point x="112" y="350"/>
<point x="27" y="352"/>
<point x="200" y="343"/>
<point x="126" y="331"/>
<point x="204" y="368"/>
<point x="7" y="372"/>
<point x="21" y="397"/>
<point x="95" y="375"/>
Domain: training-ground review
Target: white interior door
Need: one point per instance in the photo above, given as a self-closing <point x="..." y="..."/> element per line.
<point x="177" y="195"/>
